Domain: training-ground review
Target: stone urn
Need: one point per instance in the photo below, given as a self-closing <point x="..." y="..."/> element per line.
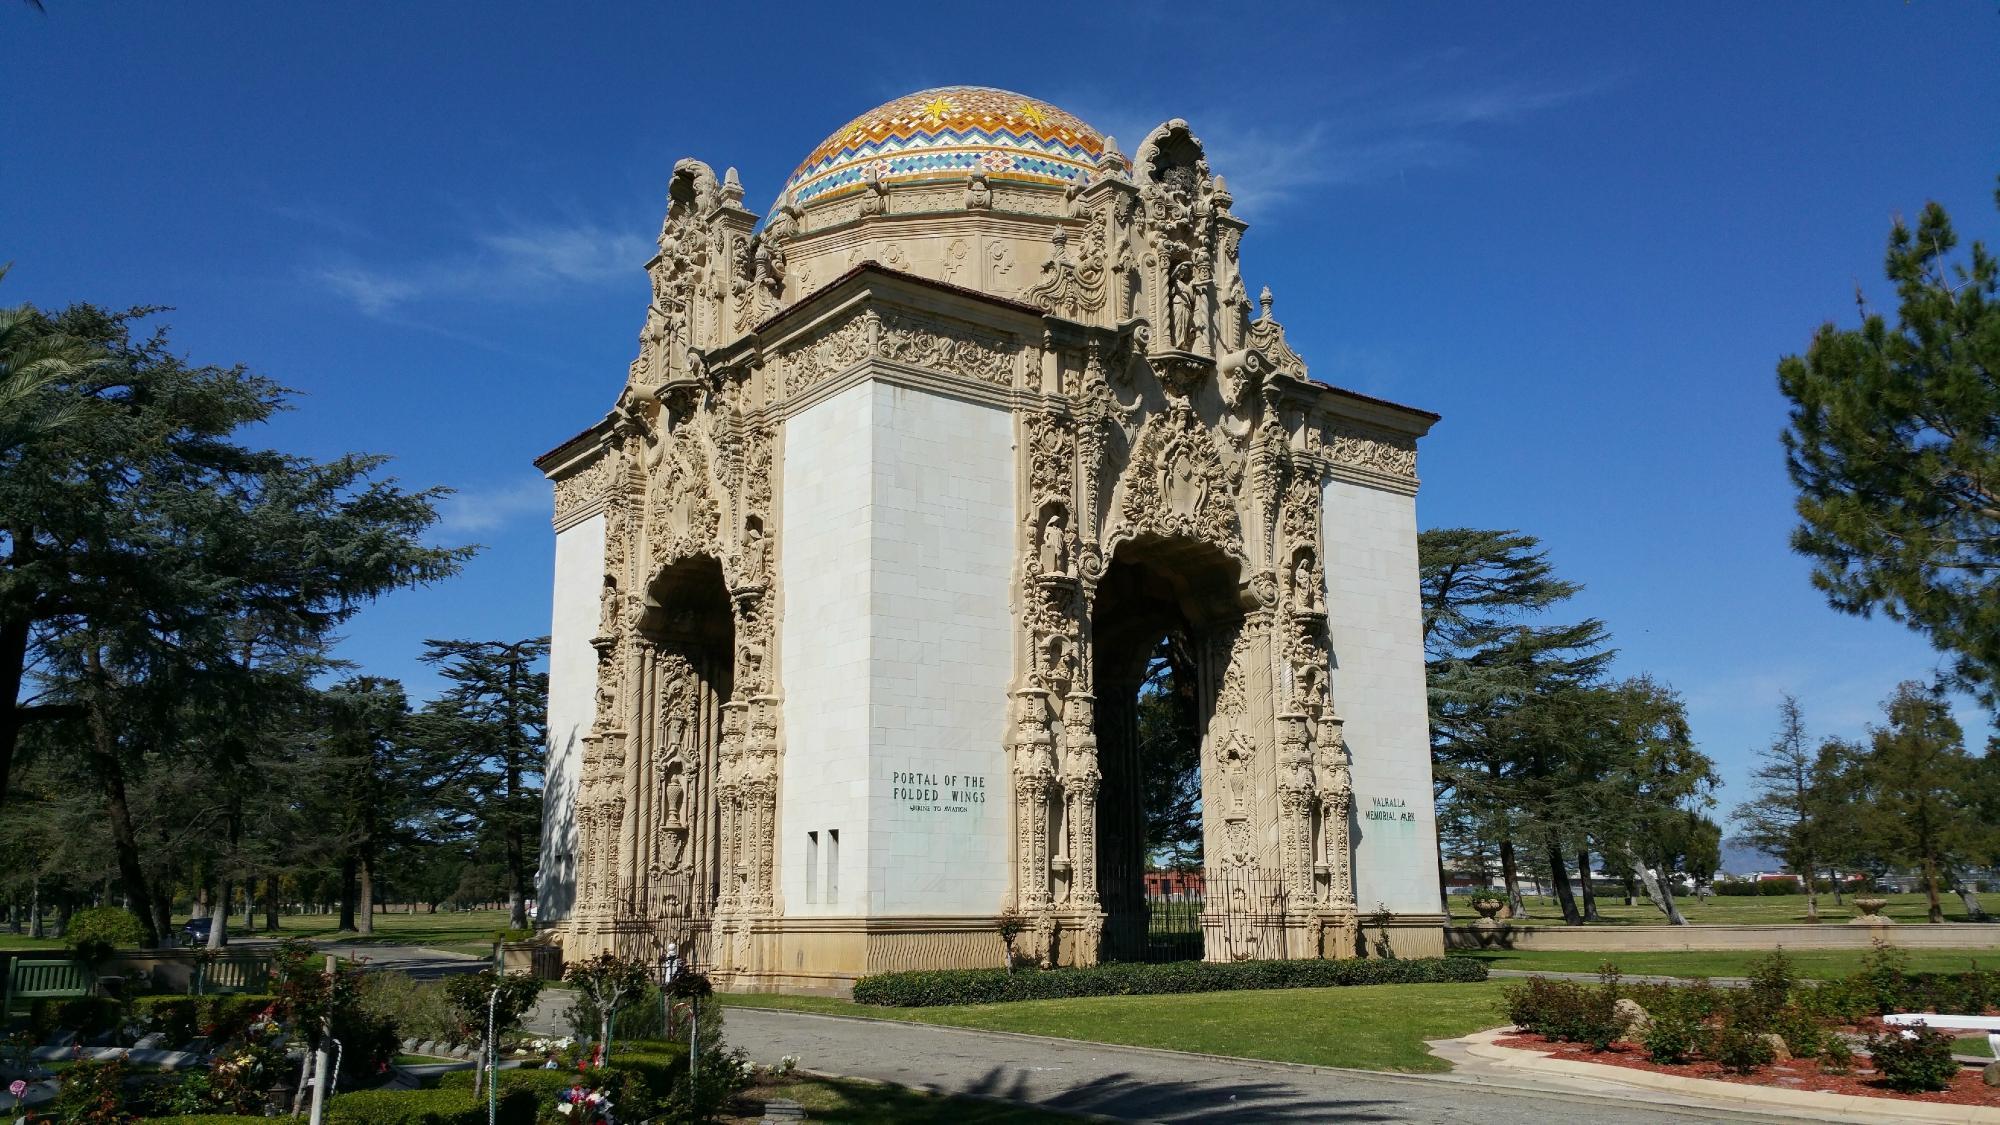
<point x="1488" y="908"/>
<point x="1871" y="913"/>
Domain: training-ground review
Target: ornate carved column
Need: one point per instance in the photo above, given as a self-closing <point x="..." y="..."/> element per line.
<point x="760" y="798"/>
<point x="1034" y="780"/>
<point x="1080" y="780"/>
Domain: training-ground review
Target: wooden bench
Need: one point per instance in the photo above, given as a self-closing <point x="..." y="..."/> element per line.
<point x="234" y="974"/>
<point x="1988" y="1024"/>
<point x="44" y="980"/>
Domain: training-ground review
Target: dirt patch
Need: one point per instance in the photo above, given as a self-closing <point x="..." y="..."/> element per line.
<point x="1798" y="1074"/>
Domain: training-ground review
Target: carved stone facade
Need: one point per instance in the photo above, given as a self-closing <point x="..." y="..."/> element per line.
<point x="1171" y="459"/>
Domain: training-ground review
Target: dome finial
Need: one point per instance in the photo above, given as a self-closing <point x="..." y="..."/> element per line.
<point x="1264" y="303"/>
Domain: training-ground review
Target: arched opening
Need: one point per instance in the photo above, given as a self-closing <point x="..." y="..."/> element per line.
<point x="1157" y="613"/>
<point x="686" y="661"/>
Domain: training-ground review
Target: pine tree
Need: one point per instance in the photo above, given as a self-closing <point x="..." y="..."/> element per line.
<point x="491" y="724"/>
<point x="1919" y="788"/>
<point x="1894" y="445"/>
<point x="1495" y="675"/>
<point x="156" y="569"/>
<point x="1784" y="818"/>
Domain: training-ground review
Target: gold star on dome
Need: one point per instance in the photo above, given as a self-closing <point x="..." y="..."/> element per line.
<point x="937" y="109"/>
<point x="1032" y="112"/>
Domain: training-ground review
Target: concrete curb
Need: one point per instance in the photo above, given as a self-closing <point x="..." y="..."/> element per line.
<point x="1819" y="1104"/>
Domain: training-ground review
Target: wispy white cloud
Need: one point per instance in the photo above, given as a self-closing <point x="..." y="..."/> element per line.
<point x="1416" y="117"/>
<point x="522" y="262"/>
<point x="473" y="511"/>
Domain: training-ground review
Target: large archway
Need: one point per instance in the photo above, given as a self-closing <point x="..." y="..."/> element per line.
<point x="1159" y="611"/>
<point x="686" y="668"/>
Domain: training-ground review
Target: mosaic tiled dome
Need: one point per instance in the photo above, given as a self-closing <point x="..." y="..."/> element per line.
<point x="943" y="134"/>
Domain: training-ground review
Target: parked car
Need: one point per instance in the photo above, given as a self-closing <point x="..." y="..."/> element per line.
<point x="194" y="932"/>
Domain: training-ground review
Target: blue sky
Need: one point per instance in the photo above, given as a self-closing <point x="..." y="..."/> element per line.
<point x="1584" y="234"/>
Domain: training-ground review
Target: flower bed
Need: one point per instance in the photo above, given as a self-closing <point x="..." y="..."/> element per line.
<point x="1967" y="1088"/>
<point x="1776" y="1021"/>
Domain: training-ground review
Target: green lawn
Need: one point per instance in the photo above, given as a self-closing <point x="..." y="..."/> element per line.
<point x="1372" y="1027"/>
<point x="850" y="1100"/>
<point x="1818" y="964"/>
<point x="1973" y="1045"/>
<point x="1720" y="910"/>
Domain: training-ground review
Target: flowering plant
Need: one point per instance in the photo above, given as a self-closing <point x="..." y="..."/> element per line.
<point x="584" y="1104"/>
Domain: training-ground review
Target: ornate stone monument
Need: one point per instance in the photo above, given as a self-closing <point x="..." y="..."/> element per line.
<point x="857" y="580"/>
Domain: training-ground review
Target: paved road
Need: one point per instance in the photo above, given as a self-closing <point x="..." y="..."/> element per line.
<point x="1140" y="1085"/>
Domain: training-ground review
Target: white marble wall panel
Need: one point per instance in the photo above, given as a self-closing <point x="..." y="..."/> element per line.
<point x="824" y="646"/>
<point x="579" y="581"/>
<point x="942" y="541"/>
<point x="1376" y="623"/>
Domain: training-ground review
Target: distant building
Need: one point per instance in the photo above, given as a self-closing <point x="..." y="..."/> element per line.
<point x="1175" y="884"/>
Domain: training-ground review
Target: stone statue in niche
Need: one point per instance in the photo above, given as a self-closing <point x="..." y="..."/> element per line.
<point x="677" y="843"/>
<point x="675" y="798"/>
<point x="1180" y="306"/>
<point x="677" y="732"/>
<point x="1311" y="680"/>
<point x="753" y="666"/>
<point x="1060" y="667"/>
<point x="1306" y="591"/>
<point x="1054" y="546"/>
<point x="607" y="608"/>
<point x="756" y="552"/>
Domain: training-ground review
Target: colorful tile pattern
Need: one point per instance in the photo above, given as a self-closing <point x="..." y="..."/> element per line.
<point x="943" y="134"/>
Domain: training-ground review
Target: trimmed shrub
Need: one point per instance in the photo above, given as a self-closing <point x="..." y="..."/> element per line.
<point x="202" y="1119"/>
<point x="429" y="1107"/>
<point x="85" y="1015"/>
<point x="543" y="1084"/>
<point x="181" y="1018"/>
<point x="1915" y="1061"/>
<point x="417" y="1009"/>
<point x="993" y="986"/>
<point x="1837" y="1057"/>
<point x="108" y="927"/>
<point x="658" y="1066"/>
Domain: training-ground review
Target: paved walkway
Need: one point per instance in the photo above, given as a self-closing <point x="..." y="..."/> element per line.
<point x="1136" y="1084"/>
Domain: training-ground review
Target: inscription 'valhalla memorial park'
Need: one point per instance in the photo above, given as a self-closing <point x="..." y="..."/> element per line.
<point x="935" y="792"/>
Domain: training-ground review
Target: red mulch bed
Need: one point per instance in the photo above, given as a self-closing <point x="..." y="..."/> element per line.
<point x="1799" y="1074"/>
